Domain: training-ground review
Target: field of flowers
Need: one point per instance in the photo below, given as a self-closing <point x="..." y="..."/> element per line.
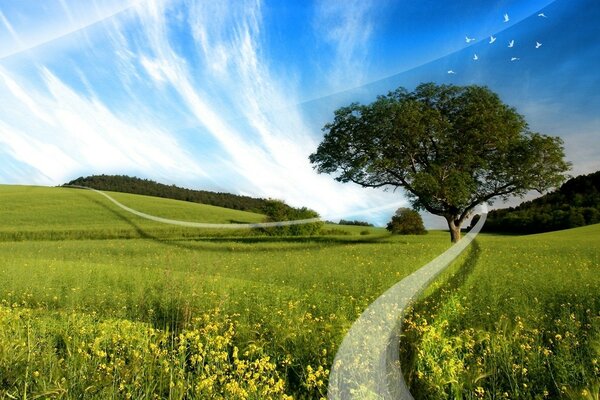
<point x="518" y="319"/>
<point x="100" y="304"/>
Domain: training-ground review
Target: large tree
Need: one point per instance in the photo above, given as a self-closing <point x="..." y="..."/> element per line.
<point x="450" y="147"/>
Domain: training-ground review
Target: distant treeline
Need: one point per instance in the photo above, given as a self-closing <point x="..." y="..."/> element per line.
<point x="127" y="184"/>
<point x="358" y="223"/>
<point x="576" y="203"/>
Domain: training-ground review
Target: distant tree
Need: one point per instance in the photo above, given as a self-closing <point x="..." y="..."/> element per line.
<point x="357" y="223"/>
<point x="406" y="222"/>
<point x="450" y="147"/>
<point x="576" y="218"/>
<point x="277" y="210"/>
<point x="591" y="215"/>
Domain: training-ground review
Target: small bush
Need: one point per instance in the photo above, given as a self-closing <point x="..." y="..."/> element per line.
<point x="406" y="222"/>
<point x="277" y="210"/>
<point x="334" y="232"/>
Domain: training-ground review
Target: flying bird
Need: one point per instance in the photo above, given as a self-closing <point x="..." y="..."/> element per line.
<point x="514" y="59"/>
<point x="542" y="15"/>
<point x="468" y="39"/>
<point x="506" y="19"/>
<point x="451" y="72"/>
<point x="475" y="58"/>
<point x="511" y="44"/>
<point x="492" y="39"/>
<point x="538" y="45"/>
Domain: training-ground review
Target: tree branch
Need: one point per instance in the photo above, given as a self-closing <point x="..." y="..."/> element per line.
<point x="500" y="191"/>
<point x="373" y="185"/>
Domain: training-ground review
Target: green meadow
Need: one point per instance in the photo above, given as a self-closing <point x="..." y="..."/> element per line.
<point x="518" y="317"/>
<point x="38" y="213"/>
<point x="99" y="303"/>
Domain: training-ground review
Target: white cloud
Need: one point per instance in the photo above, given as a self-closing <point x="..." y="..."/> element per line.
<point x="155" y="70"/>
<point x="9" y="28"/>
<point x="82" y="134"/>
<point x="270" y="150"/>
<point x="56" y="21"/>
<point x="46" y="158"/>
<point x="20" y="95"/>
<point x="226" y="87"/>
<point x="347" y="25"/>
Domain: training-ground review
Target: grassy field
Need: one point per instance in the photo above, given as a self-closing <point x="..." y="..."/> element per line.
<point x="40" y="213"/>
<point x="96" y="303"/>
<point x="519" y="318"/>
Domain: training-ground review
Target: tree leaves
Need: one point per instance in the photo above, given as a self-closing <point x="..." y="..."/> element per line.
<point x="449" y="147"/>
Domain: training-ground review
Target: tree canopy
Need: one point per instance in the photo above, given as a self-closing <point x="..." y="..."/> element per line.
<point x="406" y="222"/>
<point x="450" y="147"/>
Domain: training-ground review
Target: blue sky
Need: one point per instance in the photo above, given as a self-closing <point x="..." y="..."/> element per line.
<point x="232" y="95"/>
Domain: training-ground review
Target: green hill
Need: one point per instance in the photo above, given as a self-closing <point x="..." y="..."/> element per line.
<point x="127" y="184"/>
<point x="57" y="213"/>
<point x="575" y="203"/>
<point x="32" y="212"/>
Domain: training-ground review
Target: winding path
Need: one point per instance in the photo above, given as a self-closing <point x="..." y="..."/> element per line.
<point x="190" y="224"/>
<point x="367" y="364"/>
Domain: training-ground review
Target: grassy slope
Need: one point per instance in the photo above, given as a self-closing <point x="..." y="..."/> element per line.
<point x="30" y="212"/>
<point x="34" y="212"/>
<point x="292" y="297"/>
<point x="521" y="317"/>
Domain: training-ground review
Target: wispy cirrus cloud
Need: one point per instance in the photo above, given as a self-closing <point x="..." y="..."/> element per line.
<point x="10" y="30"/>
<point x="265" y="148"/>
<point x="58" y="18"/>
<point x="347" y="26"/>
<point x="59" y="133"/>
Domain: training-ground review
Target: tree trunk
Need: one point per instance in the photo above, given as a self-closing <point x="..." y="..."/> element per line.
<point x="454" y="226"/>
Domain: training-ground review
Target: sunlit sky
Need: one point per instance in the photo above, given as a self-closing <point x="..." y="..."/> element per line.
<point x="232" y="95"/>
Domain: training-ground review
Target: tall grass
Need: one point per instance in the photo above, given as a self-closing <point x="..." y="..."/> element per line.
<point x="519" y="319"/>
<point x="283" y="303"/>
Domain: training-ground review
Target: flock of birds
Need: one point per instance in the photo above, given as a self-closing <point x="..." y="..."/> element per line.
<point x="511" y="43"/>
